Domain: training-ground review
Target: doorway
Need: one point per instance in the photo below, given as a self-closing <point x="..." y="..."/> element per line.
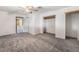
<point x="72" y="25"/>
<point x="49" y="24"/>
<point x="19" y="24"/>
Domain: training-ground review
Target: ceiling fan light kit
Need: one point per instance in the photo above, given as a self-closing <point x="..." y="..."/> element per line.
<point x="30" y="9"/>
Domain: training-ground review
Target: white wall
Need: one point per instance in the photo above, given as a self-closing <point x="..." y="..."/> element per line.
<point x="72" y="26"/>
<point x="7" y="23"/>
<point x="59" y="22"/>
<point x="26" y="24"/>
<point x="37" y="23"/>
<point x="32" y="24"/>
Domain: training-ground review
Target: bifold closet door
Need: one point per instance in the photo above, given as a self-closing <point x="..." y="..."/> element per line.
<point x="50" y="26"/>
<point x="72" y="25"/>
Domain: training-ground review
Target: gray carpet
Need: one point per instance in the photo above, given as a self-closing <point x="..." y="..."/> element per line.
<point x="25" y="42"/>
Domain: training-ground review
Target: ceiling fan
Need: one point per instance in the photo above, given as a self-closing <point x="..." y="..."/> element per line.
<point x="30" y="9"/>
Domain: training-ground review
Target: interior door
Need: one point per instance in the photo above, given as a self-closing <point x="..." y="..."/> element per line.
<point x="19" y="25"/>
<point x="50" y="26"/>
<point x="72" y="25"/>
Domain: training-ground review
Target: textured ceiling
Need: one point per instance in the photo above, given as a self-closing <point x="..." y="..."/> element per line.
<point x="20" y="10"/>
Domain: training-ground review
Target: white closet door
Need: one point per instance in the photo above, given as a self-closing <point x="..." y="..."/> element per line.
<point x="50" y="26"/>
<point x="48" y="23"/>
<point x="72" y="25"/>
<point x="77" y="26"/>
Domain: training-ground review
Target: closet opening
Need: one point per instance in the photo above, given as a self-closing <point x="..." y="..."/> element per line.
<point x="49" y="24"/>
<point x="72" y="25"/>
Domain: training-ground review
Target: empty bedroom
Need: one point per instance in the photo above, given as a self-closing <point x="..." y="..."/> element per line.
<point x="39" y="29"/>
